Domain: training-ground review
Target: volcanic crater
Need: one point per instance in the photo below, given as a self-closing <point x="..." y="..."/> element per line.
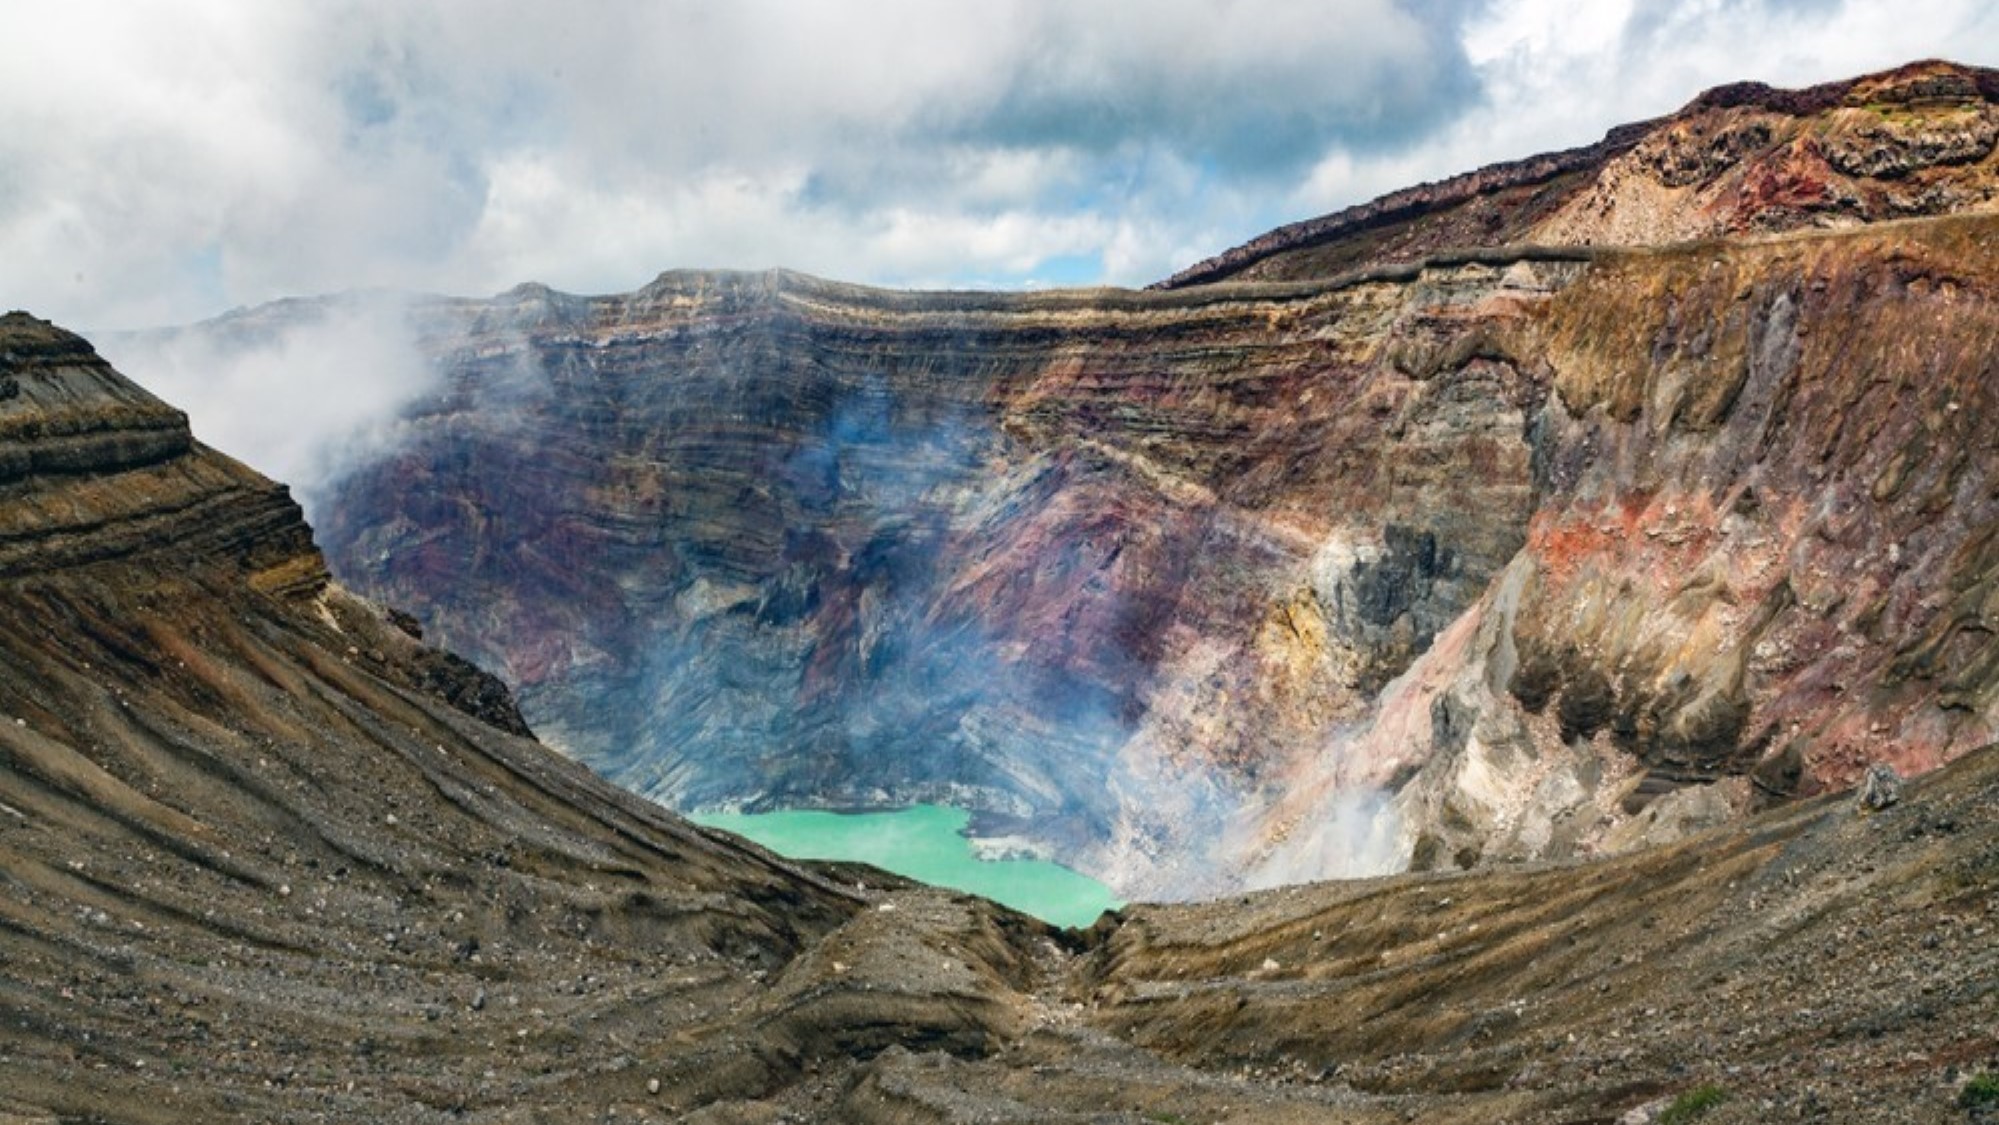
<point x="1592" y="521"/>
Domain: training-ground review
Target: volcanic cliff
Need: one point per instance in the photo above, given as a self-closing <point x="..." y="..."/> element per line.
<point x="1740" y="159"/>
<point x="265" y="856"/>
<point x="1432" y="532"/>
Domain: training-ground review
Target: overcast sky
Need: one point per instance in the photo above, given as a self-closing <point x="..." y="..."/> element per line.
<point x="161" y="163"/>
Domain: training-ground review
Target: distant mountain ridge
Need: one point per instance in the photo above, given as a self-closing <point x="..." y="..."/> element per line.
<point x="1745" y="158"/>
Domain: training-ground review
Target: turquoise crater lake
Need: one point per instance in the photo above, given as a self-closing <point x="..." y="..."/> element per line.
<point x="926" y="843"/>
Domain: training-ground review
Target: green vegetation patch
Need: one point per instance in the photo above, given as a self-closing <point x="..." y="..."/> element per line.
<point x="1692" y="1104"/>
<point x="1982" y="1092"/>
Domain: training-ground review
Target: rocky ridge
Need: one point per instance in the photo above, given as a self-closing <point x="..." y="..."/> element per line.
<point x="259" y="843"/>
<point x="267" y="857"/>
<point x="1739" y="159"/>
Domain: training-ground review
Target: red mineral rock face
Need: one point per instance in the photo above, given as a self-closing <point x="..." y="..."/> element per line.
<point x="1761" y="555"/>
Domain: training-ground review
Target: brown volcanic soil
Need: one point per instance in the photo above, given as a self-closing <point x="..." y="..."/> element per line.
<point x="1820" y="963"/>
<point x="263" y="856"/>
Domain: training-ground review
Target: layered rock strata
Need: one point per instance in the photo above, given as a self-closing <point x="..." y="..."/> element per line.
<point x="1097" y="560"/>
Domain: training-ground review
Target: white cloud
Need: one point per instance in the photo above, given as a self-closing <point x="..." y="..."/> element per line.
<point x="165" y="162"/>
<point x="299" y="391"/>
